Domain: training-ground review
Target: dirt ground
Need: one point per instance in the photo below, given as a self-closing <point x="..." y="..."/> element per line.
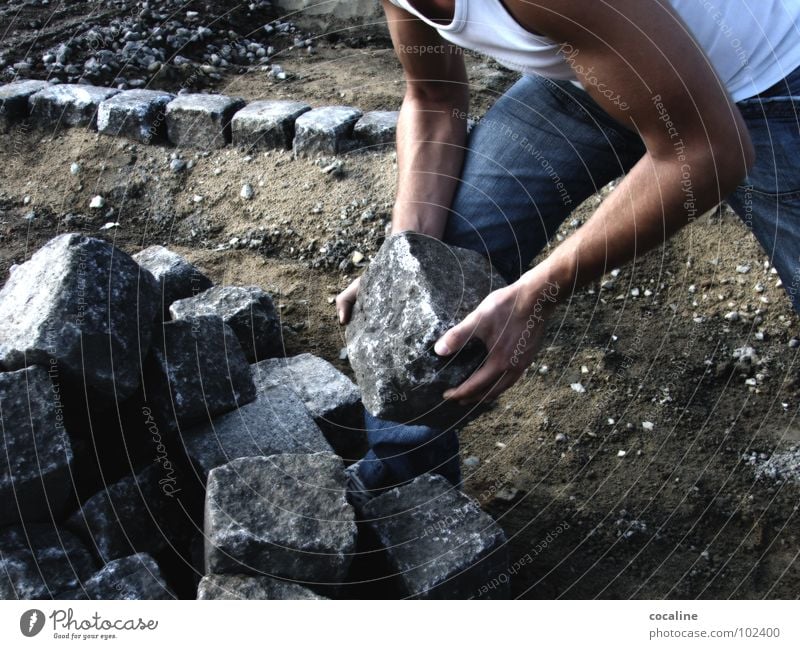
<point x="703" y="502"/>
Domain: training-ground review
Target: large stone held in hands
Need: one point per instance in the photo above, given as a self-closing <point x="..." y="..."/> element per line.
<point x="438" y="541"/>
<point x="68" y="104"/>
<point x="129" y="578"/>
<point x="41" y="561"/>
<point x="332" y="399"/>
<point x="283" y="516"/>
<point x="137" y="114"/>
<point x="276" y="422"/>
<point x="250" y="587"/>
<point x="201" y="121"/>
<point x="247" y="310"/>
<point x="325" y="130"/>
<point x="85" y="304"/>
<point x="178" y="278"/>
<point x="35" y="468"/>
<point x="197" y="370"/>
<point x="415" y="289"/>
<point x="267" y="124"/>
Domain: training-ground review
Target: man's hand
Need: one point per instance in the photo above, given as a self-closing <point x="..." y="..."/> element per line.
<point x="345" y="301"/>
<point x="511" y="323"/>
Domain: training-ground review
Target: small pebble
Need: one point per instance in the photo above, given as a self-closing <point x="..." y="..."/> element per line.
<point x="97" y="203"/>
<point x="247" y="192"/>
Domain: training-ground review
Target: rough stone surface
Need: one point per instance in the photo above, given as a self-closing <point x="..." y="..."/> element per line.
<point x="135" y="577"/>
<point x="177" y="277"/>
<point x="14" y="101"/>
<point x="414" y="290"/>
<point x="332" y="399"/>
<point x="438" y="542"/>
<point x="377" y="127"/>
<point x="276" y="422"/>
<point x="267" y="124"/>
<point x="40" y="561"/>
<point x="247" y="310"/>
<point x="135" y="514"/>
<point x="283" y="516"/>
<point x="84" y="303"/>
<point x="68" y="104"/>
<point x="197" y="370"/>
<point x="249" y="587"/>
<point x="35" y="469"/>
<point x="325" y="130"/>
<point x="201" y="121"/>
<point x="136" y="114"/>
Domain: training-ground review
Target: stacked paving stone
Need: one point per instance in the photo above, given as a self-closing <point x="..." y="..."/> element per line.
<point x="202" y="121"/>
<point x="248" y="446"/>
<point x="438" y="542"/>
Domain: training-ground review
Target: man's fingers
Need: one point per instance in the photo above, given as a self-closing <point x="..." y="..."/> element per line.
<point x="344" y="308"/>
<point x="455" y="338"/>
<point x="477" y="385"/>
<point x="345" y="301"/>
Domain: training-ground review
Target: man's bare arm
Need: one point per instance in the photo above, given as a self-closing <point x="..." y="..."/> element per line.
<point x="639" y="62"/>
<point x="431" y="130"/>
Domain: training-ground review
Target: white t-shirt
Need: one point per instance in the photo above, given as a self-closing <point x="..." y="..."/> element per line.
<point x="752" y="44"/>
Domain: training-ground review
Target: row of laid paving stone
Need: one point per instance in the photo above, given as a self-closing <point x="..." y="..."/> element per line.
<point x="196" y="120"/>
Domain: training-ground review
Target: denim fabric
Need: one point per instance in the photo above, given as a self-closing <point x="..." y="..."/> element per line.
<point x="543" y="148"/>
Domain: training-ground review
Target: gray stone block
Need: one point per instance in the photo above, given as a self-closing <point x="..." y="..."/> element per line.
<point x="35" y="481"/>
<point x="282" y="516"/>
<point x="376" y="128"/>
<point x="85" y="304"/>
<point x="197" y="370"/>
<point x="41" y="561"/>
<point x="415" y="289"/>
<point x="139" y="513"/>
<point x="267" y="124"/>
<point x="276" y="422"/>
<point x="247" y="310"/>
<point x="332" y="399"/>
<point x="325" y="130"/>
<point x="438" y="542"/>
<point x="14" y="101"/>
<point x="249" y="587"/>
<point x="201" y="121"/>
<point x="138" y="114"/>
<point x="68" y="104"/>
<point x="178" y="278"/>
<point x="135" y="577"/>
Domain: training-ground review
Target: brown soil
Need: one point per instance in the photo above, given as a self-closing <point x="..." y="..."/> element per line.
<point x="681" y="515"/>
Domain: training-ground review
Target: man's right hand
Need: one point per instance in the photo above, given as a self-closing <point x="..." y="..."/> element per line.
<point x="345" y="301"/>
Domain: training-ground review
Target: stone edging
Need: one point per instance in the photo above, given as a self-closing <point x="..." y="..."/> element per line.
<point x="196" y="120"/>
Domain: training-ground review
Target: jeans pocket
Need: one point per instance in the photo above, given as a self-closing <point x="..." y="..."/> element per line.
<point x="774" y="126"/>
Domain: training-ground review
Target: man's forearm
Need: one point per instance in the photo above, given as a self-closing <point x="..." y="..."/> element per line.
<point x="654" y="200"/>
<point x="430" y="151"/>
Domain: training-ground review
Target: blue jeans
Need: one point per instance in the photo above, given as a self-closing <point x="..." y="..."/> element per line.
<point x="543" y="148"/>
